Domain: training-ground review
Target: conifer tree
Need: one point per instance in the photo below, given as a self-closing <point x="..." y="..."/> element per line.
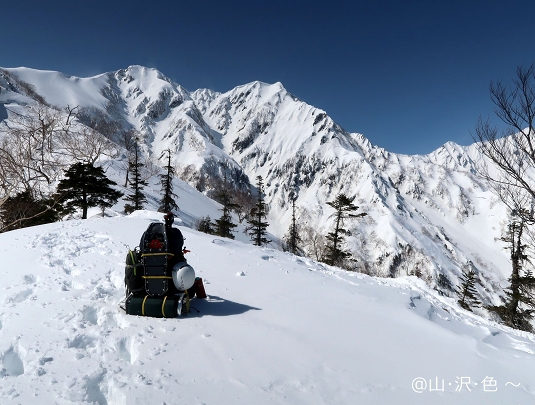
<point x="168" y="203"/>
<point x="86" y="186"/>
<point x="224" y="225"/>
<point x="293" y="239"/>
<point x="335" y="255"/>
<point x="519" y="307"/>
<point x="136" y="199"/>
<point x="257" y="224"/>
<point x="466" y="291"/>
<point x="206" y="225"/>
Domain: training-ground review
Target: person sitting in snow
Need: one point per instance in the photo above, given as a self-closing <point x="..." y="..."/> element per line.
<point x="175" y="240"/>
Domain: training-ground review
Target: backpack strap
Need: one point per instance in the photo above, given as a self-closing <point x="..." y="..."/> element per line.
<point x="163" y="306"/>
<point x="143" y="305"/>
<point x="155" y="277"/>
<point x="157" y="254"/>
<point x="134" y="265"/>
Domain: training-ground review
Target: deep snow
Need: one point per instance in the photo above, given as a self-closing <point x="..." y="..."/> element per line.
<point x="275" y="329"/>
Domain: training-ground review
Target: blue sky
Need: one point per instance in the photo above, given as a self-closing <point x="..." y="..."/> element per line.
<point x="409" y="75"/>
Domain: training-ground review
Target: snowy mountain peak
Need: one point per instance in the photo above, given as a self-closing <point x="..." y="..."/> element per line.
<point x="432" y="206"/>
<point x="143" y="76"/>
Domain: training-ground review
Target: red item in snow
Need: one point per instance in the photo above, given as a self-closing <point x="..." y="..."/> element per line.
<point x="199" y="288"/>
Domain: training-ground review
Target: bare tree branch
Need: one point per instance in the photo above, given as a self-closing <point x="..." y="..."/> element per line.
<point x="512" y="150"/>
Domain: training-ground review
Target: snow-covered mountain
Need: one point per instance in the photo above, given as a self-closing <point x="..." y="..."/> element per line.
<point x="436" y="204"/>
<point x="275" y="329"/>
<point x="430" y="211"/>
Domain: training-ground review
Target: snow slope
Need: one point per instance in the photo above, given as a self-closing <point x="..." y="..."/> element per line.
<point x="275" y="329"/>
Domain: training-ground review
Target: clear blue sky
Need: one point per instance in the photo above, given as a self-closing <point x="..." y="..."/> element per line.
<point x="409" y="75"/>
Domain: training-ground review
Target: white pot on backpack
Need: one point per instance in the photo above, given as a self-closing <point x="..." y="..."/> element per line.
<point x="183" y="276"/>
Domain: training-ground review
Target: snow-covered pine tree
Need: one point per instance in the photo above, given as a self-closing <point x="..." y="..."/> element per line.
<point x="136" y="198"/>
<point x="168" y="203"/>
<point x="335" y="255"/>
<point x="466" y="291"/>
<point x="257" y="224"/>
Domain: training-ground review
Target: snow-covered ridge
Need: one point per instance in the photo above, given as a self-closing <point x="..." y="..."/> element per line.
<point x="434" y="205"/>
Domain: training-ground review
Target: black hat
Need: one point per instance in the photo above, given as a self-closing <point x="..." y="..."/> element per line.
<point x="169" y="218"/>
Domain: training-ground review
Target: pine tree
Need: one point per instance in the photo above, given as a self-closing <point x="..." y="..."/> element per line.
<point x="335" y="255"/>
<point x="168" y="203"/>
<point x="136" y="198"/>
<point x="86" y="186"/>
<point x="519" y="307"/>
<point x="466" y="291"/>
<point x="292" y="238"/>
<point x="224" y="225"/>
<point x="206" y="225"/>
<point x="257" y="224"/>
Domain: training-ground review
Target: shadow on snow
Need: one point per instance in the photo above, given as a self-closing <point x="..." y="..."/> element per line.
<point x="217" y="306"/>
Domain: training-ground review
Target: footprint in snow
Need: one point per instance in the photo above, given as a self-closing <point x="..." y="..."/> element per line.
<point x="126" y="349"/>
<point x="89" y="314"/>
<point x="89" y="388"/>
<point x="219" y="242"/>
<point x="81" y="342"/>
<point x="11" y="364"/>
<point x="20" y="297"/>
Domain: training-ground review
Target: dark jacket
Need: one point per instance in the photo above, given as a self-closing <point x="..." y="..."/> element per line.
<point x="175" y="241"/>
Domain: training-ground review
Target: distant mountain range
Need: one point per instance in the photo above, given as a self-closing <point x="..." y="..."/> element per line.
<point x="430" y="212"/>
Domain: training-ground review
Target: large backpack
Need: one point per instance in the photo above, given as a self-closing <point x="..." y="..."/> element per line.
<point x="155" y="258"/>
<point x="150" y="290"/>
